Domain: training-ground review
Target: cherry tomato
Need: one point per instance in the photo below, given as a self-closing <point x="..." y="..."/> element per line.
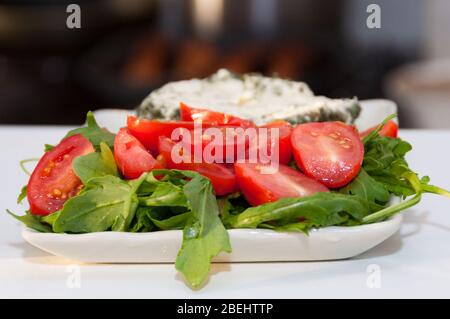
<point x="215" y="118"/>
<point x="329" y="152"/>
<point x="390" y="129"/>
<point x="149" y="131"/>
<point x="222" y="178"/>
<point x="131" y="156"/>
<point x="283" y="141"/>
<point x="229" y="146"/>
<point x="53" y="180"/>
<point x="259" y="188"/>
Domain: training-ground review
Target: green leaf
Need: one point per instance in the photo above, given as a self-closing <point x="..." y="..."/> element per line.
<point x="321" y="209"/>
<point x="94" y="133"/>
<point x="106" y="203"/>
<point x="174" y="222"/>
<point x="32" y="221"/>
<point x="375" y="132"/>
<point x="204" y="235"/>
<point x="22" y="195"/>
<point x="165" y="194"/>
<point x="50" y="219"/>
<point x="141" y="222"/>
<point x="95" y="164"/>
<point x="367" y="188"/>
<point x="48" y="147"/>
<point x="23" y="162"/>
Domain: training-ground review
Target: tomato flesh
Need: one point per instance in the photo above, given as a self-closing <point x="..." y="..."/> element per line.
<point x="53" y="181"/>
<point x="191" y="114"/>
<point x="149" y="131"/>
<point x="259" y="188"/>
<point x="330" y="152"/>
<point x="131" y="156"/>
<point x="390" y="129"/>
<point x="222" y="178"/>
<point x="283" y="141"/>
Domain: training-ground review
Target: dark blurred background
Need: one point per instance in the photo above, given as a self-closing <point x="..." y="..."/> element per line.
<point x="50" y="74"/>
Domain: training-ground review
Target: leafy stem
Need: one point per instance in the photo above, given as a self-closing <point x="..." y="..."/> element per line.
<point x="375" y="132"/>
<point x="23" y="162"/>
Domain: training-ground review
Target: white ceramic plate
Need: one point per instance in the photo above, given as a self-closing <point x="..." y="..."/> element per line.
<point x="249" y="245"/>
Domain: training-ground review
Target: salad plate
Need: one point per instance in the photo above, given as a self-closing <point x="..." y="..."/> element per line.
<point x="330" y="243"/>
<point x="249" y="245"/>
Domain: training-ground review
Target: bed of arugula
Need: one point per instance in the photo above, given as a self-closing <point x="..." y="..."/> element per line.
<point x="185" y="200"/>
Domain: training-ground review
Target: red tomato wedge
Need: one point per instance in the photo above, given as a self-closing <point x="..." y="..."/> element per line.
<point x="283" y="141"/>
<point x="329" y="152"/>
<point x="131" y="156"/>
<point x="149" y="131"/>
<point x="222" y="178"/>
<point x="259" y="188"/>
<point x="53" y="180"/>
<point x="226" y="149"/>
<point x="188" y="113"/>
<point x="390" y="129"/>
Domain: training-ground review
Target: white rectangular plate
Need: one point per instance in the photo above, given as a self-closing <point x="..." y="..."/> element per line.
<point x="249" y="245"/>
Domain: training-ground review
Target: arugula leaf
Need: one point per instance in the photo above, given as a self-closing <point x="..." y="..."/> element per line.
<point x="231" y="205"/>
<point x="48" y="147"/>
<point x="105" y="203"/>
<point x="204" y="235"/>
<point x="175" y="222"/>
<point x="50" y="219"/>
<point x="32" y="221"/>
<point x="22" y="195"/>
<point x="365" y="187"/>
<point x="377" y="130"/>
<point x="141" y="222"/>
<point x="23" y="162"/>
<point x="165" y="194"/>
<point x="95" y="164"/>
<point x="385" y="162"/>
<point x="320" y="209"/>
<point x="94" y="133"/>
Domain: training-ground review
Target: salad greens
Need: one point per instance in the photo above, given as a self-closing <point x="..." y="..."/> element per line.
<point x="173" y="199"/>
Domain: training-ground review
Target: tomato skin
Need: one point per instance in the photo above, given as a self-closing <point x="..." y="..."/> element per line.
<point x="149" y="131"/>
<point x="261" y="188"/>
<point x="284" y="141"/>
<point x="53" y="181"/>
<point x="230" y="145"/>
<point x="330" y="152"/>
<point x="222" y="178"/>
<point x="131" y="156"/>
<point x="191" y="114"/>
<point x="390" y="129"/>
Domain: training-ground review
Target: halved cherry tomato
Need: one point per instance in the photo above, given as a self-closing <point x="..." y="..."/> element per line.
<point x="390" y="129"/>
<point x="284" y="140"/>
<point x="188" y="113"/>
<point x="53" y="180"/>
<point x="229" y="146"/>
<point x="131" y="156"/>
<point x="329" y="152"/>
<point x="222" y="178"/>
<point x="149" y="131"/>
<point x="259" y="188"/>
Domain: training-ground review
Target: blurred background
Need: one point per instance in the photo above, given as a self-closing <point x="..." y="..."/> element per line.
<point x="50" y="74"/>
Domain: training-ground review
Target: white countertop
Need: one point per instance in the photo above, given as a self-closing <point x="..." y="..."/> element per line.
<point x="413" y="263"/>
